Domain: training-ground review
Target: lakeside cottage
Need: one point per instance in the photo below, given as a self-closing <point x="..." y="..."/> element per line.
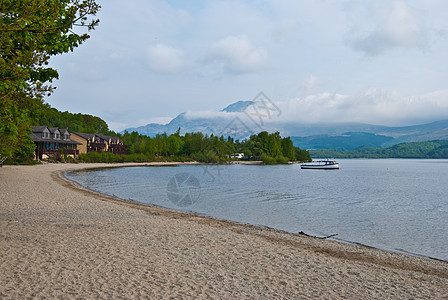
<point x="52" y="142"/>
<point x="99" y="142"/>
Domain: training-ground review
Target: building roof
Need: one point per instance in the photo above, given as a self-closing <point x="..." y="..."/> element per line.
<point x="36" y="136"/>
<point x="38" y="128"/>
<point x="87" y="136"/>
<point x="53" y="129"/>
<point x="63" y="131"/>
<point x="103" y="136"/>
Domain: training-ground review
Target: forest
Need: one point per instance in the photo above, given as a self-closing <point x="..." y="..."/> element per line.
<point x="73" y="122"/>
<point x="268" y="147"/>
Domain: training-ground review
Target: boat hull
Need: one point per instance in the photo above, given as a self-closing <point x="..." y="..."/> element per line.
<point x="311" y="167"/>
<point x="321" y="165"/>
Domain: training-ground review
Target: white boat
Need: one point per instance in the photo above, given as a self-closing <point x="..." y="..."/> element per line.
<point x="321" y="165"/>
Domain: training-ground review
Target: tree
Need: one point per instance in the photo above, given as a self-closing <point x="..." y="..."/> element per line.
<point x="274" y="145"/>
<point x="31" y="31"/>
<point x="288" y="148"/>
<point x="302" y="155"/>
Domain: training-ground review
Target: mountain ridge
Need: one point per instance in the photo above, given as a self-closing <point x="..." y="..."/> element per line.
<point x="340" y="136"/>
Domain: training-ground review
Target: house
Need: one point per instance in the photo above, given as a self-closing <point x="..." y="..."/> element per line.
<point x="98" y="142"/>
<point x="82" y="146"/>
<point x="52" y="142"/>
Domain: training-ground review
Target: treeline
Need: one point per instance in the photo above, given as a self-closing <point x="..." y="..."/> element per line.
<point x="430" y="149"/>
<point x="45" y="115"/>
<point x="78" y="122"/>
<point x="269" y="147"/>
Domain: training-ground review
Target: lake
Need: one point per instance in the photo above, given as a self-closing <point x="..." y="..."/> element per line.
<point x="393" y="204"/>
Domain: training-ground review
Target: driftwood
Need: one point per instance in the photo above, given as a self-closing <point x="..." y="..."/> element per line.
<point x="317" y="237"/>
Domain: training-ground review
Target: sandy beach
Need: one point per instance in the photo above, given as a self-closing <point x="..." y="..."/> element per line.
<point x="59" y="240"/>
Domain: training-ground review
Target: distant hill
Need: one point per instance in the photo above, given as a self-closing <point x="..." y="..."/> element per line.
<point x="369" y="135"/>
<point x="429" y="149"/>
<point x="233" y="121"/>
<point x="346" y="141"/>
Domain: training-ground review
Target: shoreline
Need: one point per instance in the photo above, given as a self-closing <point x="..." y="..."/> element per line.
<point x="61" y="175"/>
<point x="179" y="254"/>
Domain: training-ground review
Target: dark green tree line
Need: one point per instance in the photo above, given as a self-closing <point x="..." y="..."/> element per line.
<point x="271" y="148"/>
<point x="51" y="117"/>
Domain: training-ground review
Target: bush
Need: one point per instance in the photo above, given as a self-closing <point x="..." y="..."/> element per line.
<point x="71" y="160"/>
<point x="282" y="160"/>
<point x="268" y="160"/>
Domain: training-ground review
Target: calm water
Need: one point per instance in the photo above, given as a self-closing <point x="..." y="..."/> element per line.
<point x="392" y="204"/>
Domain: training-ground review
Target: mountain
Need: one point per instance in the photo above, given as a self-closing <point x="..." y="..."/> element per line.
<point x="239" y="106"/>
<point x="334" y="136"/>
<point x="217" y="123"/>
<point x="418" y="133"/>
<point x="186" y="124"/>
<point x="428" y="149"/>
<point x="243" y="118"/>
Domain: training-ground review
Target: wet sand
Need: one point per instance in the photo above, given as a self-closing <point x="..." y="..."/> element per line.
<point x="60" y="240"/>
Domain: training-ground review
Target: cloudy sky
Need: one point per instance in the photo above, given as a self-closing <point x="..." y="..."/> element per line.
<point x="381" y="62"/>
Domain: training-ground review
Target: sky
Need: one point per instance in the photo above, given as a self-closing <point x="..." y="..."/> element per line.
<point x="371" y="61"/>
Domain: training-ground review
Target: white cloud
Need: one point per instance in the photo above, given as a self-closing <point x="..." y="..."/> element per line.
<point x="371" y="106"/>
<point x="164" y="59"/>
<point x="397" y="25"/>
<point x="375" y="106"/>
<point x="238" y="55"/>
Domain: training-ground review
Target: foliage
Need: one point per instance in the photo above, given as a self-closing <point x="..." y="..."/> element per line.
<point x="430" y="149"/>
<point x="302" y="155"/>
<point x="31" y="31"/>
<point x="51" y="117"/>
<point x="107" y="157"/>
<point x="270" y="148"/>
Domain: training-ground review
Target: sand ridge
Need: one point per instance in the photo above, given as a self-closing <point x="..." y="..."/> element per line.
<point x="59" y="239"/>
